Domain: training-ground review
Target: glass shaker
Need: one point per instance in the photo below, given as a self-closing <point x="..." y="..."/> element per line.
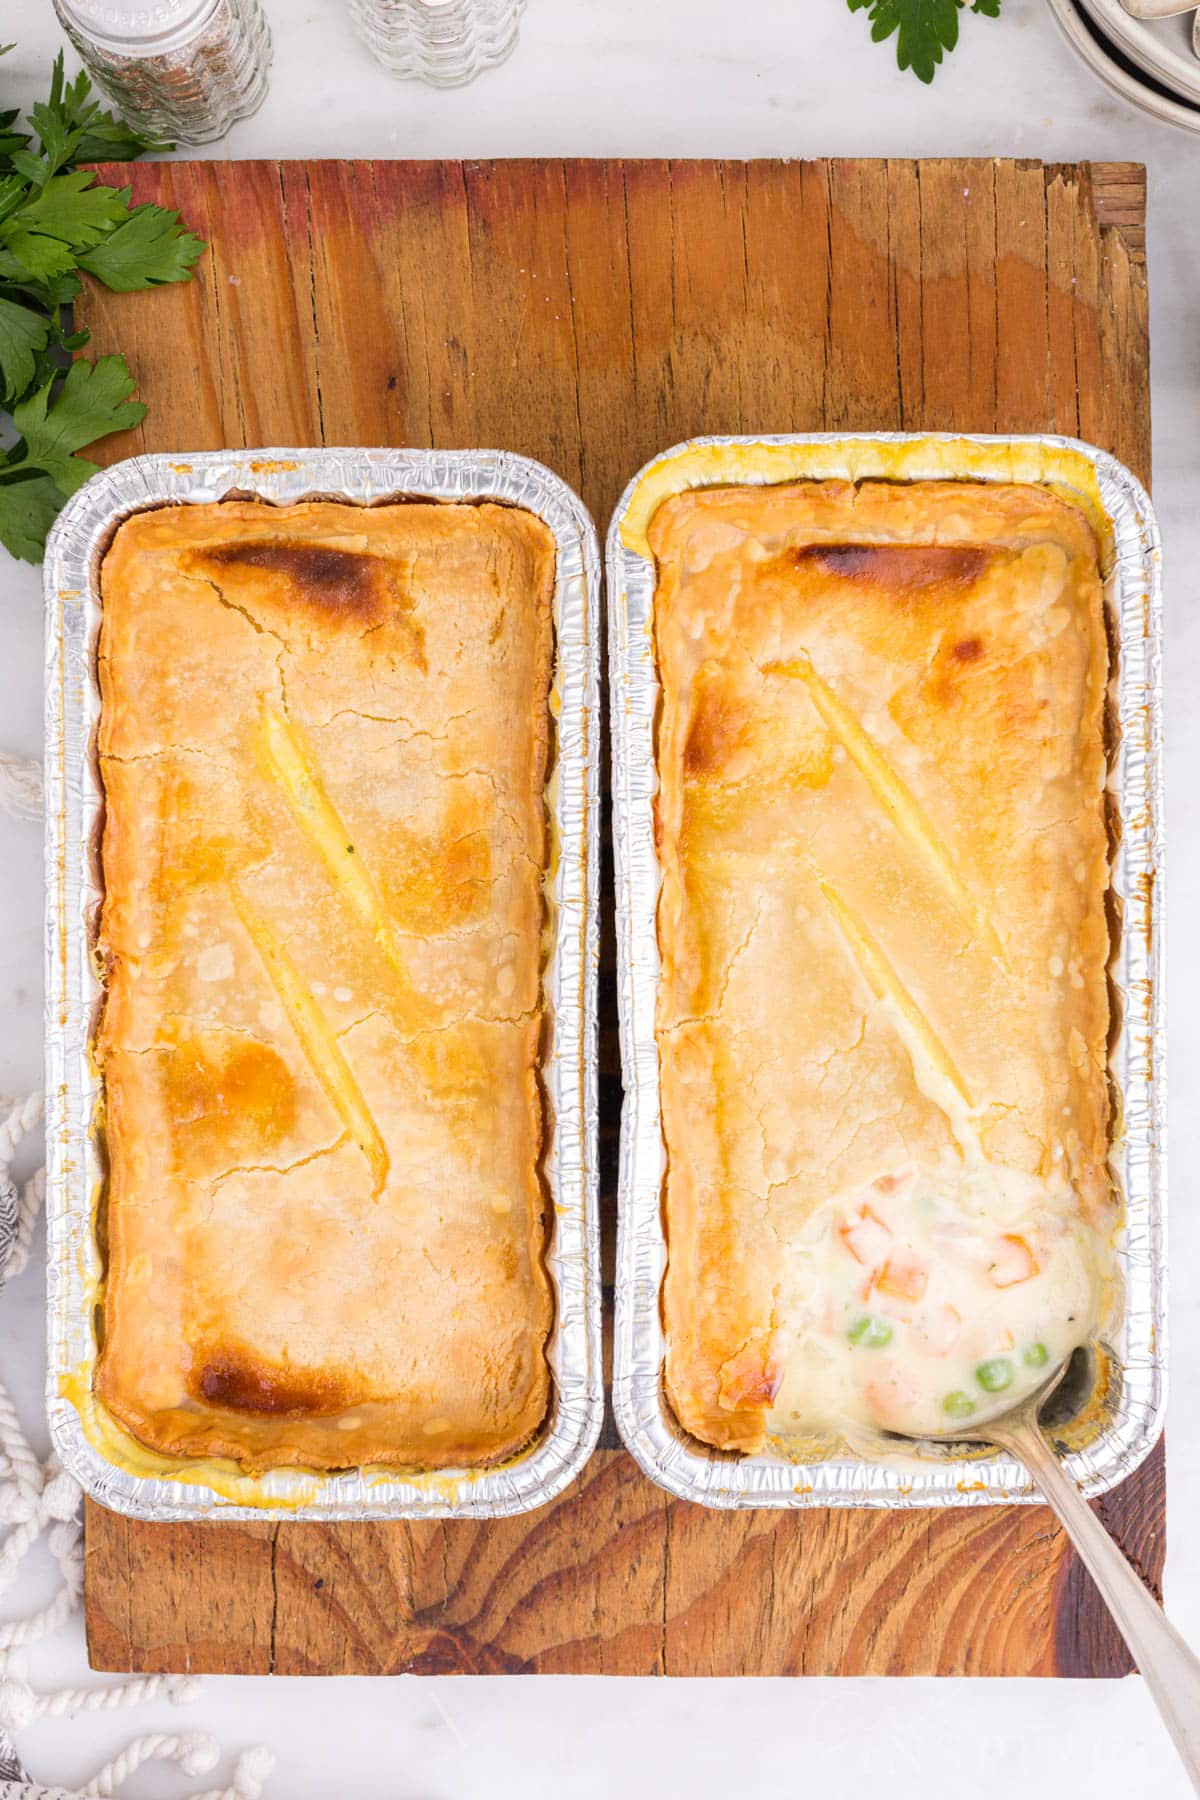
<point x="177" y="69"/>
<point x="443" y="42"/>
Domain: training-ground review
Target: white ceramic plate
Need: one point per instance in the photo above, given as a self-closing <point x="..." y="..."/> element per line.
<point x="1083" y="36"/>
<point x="1162" y="47"/>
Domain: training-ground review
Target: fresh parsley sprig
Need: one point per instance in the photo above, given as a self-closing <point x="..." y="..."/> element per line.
<point x="56" y="220"/>
<point x="927" y="28"/>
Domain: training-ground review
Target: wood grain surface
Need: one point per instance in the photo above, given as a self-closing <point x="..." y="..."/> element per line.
<point x="589" y="314"/>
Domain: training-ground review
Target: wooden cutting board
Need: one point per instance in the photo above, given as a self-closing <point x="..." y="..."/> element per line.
<point x="589" y="314"/>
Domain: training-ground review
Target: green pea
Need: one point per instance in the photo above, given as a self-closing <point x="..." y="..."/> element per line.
<point x="869" y="1333"/>
<point x="1035" y="1356"/>
<point x="994" y="1376"/>
<point x="958" y="1405"/>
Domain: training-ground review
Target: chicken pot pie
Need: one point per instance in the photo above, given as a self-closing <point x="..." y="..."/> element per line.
<point x="883" y="1009"/>
<point x="323" y="743"/>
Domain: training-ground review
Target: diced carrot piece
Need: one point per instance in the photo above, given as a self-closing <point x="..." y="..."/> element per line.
<point x="1012" y="1263"/>
<point x="903" y="1275"/>
<point x="866" y="1237"/>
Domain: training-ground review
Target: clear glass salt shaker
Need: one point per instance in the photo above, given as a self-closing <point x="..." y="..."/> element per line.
<point x="178" y="69"/>
<point x="443" y="42"/>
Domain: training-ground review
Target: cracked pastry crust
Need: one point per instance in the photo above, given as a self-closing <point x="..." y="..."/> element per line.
<point x="323" y="742"/>
<point x="883" y="1008"/>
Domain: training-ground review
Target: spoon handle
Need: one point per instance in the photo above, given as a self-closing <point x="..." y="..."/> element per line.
<point x="1169" y="1668"/>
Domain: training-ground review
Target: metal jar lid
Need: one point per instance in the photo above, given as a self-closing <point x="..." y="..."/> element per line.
<point x="134" y="26"/>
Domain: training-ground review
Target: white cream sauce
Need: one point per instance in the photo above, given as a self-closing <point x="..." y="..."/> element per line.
<point x="931" y="1297"/>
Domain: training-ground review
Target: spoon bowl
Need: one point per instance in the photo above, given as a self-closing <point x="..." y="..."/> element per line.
<point x="1157" y="9"/>
<point x="1055" y="1402"/>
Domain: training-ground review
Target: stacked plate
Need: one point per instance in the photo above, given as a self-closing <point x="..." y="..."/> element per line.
<point x="1155" y="63"/>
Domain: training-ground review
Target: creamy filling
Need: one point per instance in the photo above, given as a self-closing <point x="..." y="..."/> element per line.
<point x="930" y="1299"/>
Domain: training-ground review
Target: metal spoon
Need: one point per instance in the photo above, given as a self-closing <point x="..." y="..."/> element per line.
<point x="1169" y="1668"/>
<point x="1157" y="9"/>
<point x="1165" y="9"/>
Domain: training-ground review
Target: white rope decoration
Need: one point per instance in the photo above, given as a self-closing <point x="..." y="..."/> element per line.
<point x="19" y="1705"/>
<point x="196" y="1753"/>
<point x="19" y="1123"/>
<point x="20" y="787"/>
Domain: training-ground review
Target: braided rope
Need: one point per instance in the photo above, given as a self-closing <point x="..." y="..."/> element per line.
<point x="15" y="1546"/>
<point x="26" y="1469"/>
<point x="29" y="1205"/>
<point x="249" y="1776"/>
<point x="22" y="1119"/>
<point x="19" y="1704"/>
<point x="19" y="1632"/>
<point x="20" y="787"/>
<point x="195" y="1753"/>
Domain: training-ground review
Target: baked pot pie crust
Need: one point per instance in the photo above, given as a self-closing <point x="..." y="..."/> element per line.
<point x="323" y="739"/>
<point x="883" y="1008"/>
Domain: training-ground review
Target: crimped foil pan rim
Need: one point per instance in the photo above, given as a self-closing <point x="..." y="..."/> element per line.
<point x="73" y="801"/>
<point x="665" y="1453"/>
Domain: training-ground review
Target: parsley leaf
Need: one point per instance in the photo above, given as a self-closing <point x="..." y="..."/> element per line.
<point x="926" y="29"/>
<point x="10" y="140"/>
<point x="22" y="335"/>
<point x="149" y="248"/>
<point x="50" y="291"/>
<point x="57" y="220"/>
<point x="100" y="137"/>
<point x="28" y="508"/>
<point x="106" y="139"/>
<point x="12" y="192"/>
<point x="70" y="209"/>
<point x="92" y="402"/>
<point x="38" y="255"/>
<point x="53" y="128"/>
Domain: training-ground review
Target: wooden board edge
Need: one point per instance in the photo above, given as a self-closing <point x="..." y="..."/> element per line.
<point x="1119" y="198"/>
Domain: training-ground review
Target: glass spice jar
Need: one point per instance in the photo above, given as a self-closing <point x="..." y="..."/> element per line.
<point x="443" y="42"/>
<point x="178" y="69"/>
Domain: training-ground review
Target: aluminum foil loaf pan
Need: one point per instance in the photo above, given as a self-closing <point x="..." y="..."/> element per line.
<point x="109" y="1464"/>
<point x="1123" y="1422"/>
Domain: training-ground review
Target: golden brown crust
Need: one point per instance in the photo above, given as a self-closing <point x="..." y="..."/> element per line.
<point x="324" y="740"/>
<point x="882" y="919"/>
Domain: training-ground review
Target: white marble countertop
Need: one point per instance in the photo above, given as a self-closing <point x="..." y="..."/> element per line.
<point x="687" y="77"/>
